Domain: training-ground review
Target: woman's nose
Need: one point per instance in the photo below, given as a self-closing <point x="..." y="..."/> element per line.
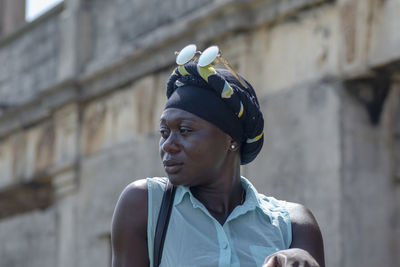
<point x="171" y="145"/>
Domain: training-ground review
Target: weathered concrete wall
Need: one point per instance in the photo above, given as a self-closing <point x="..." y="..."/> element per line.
<point x="302" y="150"/>
<point x="12" y="15"/>
<point x="369" y="189"/>
<point x="127" y="22"/>
<point x="29" y="240"/>
<point x="81" y="113"/>
<point x="29" y="63"/>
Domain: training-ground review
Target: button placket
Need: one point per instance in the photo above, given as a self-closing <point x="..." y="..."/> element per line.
<point x="225" y="249"/>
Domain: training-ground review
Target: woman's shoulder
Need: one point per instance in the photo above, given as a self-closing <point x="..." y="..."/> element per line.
<point x="267" y="204"/>
<point x="133" y="197"/>
<point x="129" y="222"/>
<point x="136" y="193"/>
<point x="271" y="201"/>
<point x="299" y="214"/>
<point x="273" y="205"/>
<point x="156" y="183"/>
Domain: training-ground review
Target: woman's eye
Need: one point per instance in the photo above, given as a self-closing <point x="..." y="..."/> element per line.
<point x="185" y="130"/>
<point x="164" y="132"/>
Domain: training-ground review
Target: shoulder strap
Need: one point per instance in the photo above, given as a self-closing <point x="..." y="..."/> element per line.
<point x="162" y="222"/>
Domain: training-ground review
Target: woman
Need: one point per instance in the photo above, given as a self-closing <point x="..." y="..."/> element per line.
<point x="211" y="125"/>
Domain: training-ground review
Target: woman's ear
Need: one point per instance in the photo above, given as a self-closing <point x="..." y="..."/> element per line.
<point x="234" y="146"/>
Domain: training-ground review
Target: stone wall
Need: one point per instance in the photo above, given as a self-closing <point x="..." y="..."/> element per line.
<point x="12" y="15"/>
<point x="83" y="88"/>
<point x="29" y="63"/>
<point x="369" y="186"/>
<point x="29" y="239"/>
<point x="301" y="156"/>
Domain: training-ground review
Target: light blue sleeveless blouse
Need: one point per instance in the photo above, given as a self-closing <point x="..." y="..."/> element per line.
<point x="254" y="230"/>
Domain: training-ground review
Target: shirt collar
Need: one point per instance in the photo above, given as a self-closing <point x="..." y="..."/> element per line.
<point x="181" y="191"/>
<point x="251" y="200"/>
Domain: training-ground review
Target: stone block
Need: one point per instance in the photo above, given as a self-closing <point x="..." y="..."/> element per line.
<point x="75" y="39"/>
<point x="384" y="37"/>
<point x="19" y="156"/>
<point x="45" y="147"/>
<point x="12" y="159"/>
<point x="6" y="162"/>
<point x="93" y="128"/>
<point x="109" y="120"/>
<point x="32" y="136"/>
<point x="160" y="98"/>
<point x="235" y="49"/>
<point x="66" y="232"/>
<point x="65" y="183"/>
<point x="295" y="51"/>
<point x="144" y="103"/>
<point x="13" y="16"/>
<point x="355" y="25"/>
<point x="35" y="154"/>
<point x="66" y="135"/>
<point x="121" y="115"/>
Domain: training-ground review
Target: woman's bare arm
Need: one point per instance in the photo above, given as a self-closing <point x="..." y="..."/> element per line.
<point x="305" y="232"/>
<point x="129" y="227"/>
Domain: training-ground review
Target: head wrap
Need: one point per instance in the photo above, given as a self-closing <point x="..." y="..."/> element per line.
<point x="216" y="96"/>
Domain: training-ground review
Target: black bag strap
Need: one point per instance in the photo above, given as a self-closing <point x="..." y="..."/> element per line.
<point x="162" y="222"/>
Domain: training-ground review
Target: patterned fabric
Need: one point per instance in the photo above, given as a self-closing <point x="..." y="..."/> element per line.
<point x="254" y="230"/>
<point x="242" y="103"/>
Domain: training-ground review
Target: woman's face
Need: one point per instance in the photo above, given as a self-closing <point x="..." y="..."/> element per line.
<point x="193" y="151"/>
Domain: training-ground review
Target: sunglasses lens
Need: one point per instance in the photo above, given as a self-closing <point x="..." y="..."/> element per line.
<point x="208" y="56"/>
<point x="186" y="54"/>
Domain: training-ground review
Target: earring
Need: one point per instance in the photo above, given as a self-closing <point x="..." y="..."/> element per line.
<point x="232" y="146"/>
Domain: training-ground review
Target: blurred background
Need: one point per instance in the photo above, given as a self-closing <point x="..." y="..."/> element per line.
<point x="82" y="86"/>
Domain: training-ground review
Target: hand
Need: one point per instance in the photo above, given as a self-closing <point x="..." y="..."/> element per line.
<point x="290" y="257"/>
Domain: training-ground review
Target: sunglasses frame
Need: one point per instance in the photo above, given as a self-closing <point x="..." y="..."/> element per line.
<point x="189" y="53"/>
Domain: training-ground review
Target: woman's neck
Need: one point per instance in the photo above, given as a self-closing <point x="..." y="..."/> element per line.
<point x="221" y="196"/>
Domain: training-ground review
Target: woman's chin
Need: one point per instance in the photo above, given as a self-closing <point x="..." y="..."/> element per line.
<point x="176" y="180"/>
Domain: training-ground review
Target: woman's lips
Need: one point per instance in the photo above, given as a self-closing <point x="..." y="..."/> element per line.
<point x="172" y="166"/>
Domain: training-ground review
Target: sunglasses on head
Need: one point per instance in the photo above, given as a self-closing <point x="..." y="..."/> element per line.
<point x="211" y="55"/>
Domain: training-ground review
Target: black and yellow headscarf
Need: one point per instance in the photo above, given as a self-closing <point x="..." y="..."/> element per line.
<point x="216" y="96"/>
